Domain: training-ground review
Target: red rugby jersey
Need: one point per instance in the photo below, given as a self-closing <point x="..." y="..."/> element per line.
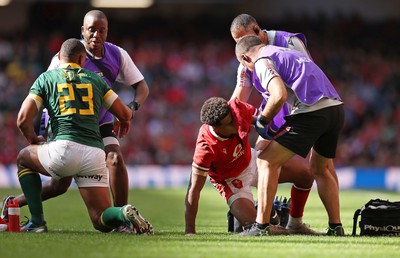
<point x="221" y="157"/>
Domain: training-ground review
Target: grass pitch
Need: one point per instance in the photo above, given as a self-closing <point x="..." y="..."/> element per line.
<point x="71" y="233"/>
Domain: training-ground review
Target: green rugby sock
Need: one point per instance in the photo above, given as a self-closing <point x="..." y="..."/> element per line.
<point x="32" y="187"/>
<point x="112" y="217"/>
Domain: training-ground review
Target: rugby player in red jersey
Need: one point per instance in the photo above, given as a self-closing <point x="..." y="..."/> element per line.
<point x="223" y="153"/>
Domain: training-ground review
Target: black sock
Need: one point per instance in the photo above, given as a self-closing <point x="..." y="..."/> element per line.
<point x="334" y="225"/>
<point x="262" y="226"/>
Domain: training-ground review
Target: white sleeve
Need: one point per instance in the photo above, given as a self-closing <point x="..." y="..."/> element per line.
<point x="243" y="78"/>
<point x="266" y="70"/>
<point x="129" y="74"/>
<point x="55" y="63"/>
<point x="296" y="44"/>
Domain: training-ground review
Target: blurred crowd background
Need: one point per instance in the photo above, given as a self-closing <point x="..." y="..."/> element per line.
<point x="187" y="60"/>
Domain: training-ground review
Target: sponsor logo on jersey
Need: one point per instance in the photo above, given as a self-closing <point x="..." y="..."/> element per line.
<point x="303" y="60"/>
<point x="237" y="152"/>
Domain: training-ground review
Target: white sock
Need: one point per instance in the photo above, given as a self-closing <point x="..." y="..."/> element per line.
<point x="294" y="222"/>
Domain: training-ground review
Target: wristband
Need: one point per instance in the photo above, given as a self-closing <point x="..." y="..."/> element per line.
<point x="134" y="106"/>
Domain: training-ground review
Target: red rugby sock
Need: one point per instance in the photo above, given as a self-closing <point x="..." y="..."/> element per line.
<point x="299" y="198"/>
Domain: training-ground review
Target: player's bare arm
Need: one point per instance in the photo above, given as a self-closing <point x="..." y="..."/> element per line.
<point x="25" y="119"/>
<point x="196" y="184"/>
<point x="124" y="115"/>
<point x="278" y="96"/>
<point x="141" y="91"/>
<point x="242" y="93"/>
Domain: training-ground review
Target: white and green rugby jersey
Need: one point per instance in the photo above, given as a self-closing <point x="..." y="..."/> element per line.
<point x="73" y="97"/>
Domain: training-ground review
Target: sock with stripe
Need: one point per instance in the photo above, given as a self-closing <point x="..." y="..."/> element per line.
<point x="112" y="217"/>
<point x="32" y="188"/>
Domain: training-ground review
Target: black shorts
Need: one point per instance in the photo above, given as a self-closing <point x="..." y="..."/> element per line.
<point x="106" y="130"/>
<point x="319" y="129"/>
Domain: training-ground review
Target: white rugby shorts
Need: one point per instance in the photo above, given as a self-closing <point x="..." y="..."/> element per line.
<point x="240" y="187"/>
<point x="62" y="158"/>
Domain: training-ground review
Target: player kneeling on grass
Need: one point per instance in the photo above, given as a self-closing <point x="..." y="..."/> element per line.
<point x="223" y="152"/>
<point x="73" y="97"/>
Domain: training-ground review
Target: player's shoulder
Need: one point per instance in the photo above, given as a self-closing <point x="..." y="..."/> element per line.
<point x="114" y="47"/>
<point x="89" y="74"/>
<point x="204" y="130"/>
<point x="236" y="103"/>
<point x="205" y="136"/>
<point x="108" y="43"/>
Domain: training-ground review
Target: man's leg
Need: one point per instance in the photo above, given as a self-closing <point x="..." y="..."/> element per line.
<point x="327" y="187"/>
<point x="296" y="170"/>
<point x="28" y="175"/>
<point x="97" y="200"/>
<point x="332" y="170"/>
<point x="244" y="211"/>
<point x="50" y="189"/>
<point x="119" y="181"/>
<point x="269" y="163"/>
<point x="105" y="218"/>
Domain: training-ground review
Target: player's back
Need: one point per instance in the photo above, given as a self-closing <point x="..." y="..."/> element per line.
<point x="73" y="97"/>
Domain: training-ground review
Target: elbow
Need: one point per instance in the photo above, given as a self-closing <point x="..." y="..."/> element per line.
<point x="21" y="122"/>
<point x="142" y="89"/>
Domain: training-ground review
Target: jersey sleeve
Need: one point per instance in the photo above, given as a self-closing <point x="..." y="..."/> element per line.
<point x="266" y="71"/>
<point x="296" y="44"/>
<point x="243" y="114"/>
<point x="129" y="73"/>
<point x="243" y="78"/>
<point x="203" y="154"/>
<point x="36" y="91"/>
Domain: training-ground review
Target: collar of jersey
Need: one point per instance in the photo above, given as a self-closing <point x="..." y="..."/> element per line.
<point x="216" y="135"/>
<point x="72" y="65"/>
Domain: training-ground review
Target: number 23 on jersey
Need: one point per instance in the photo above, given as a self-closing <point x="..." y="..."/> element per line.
<point x="86" y="97"/>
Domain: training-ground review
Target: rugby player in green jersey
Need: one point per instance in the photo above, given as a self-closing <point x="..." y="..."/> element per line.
<point x="73" y="96"/>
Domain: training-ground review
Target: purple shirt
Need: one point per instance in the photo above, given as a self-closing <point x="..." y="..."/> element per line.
<point x="112" y="62"/>
<point x="281" y="39"/>
<point x="307" y="82"/>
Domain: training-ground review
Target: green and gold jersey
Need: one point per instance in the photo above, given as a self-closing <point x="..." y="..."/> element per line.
<point x="73" y="97"/>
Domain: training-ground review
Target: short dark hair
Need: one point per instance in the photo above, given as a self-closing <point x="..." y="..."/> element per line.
<point x="71" y="49"/>
<point x="246" y="43"/>
<point x="214" y="110"/>
<point x="97" y="14"/>
<point x="242" y="20"/>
